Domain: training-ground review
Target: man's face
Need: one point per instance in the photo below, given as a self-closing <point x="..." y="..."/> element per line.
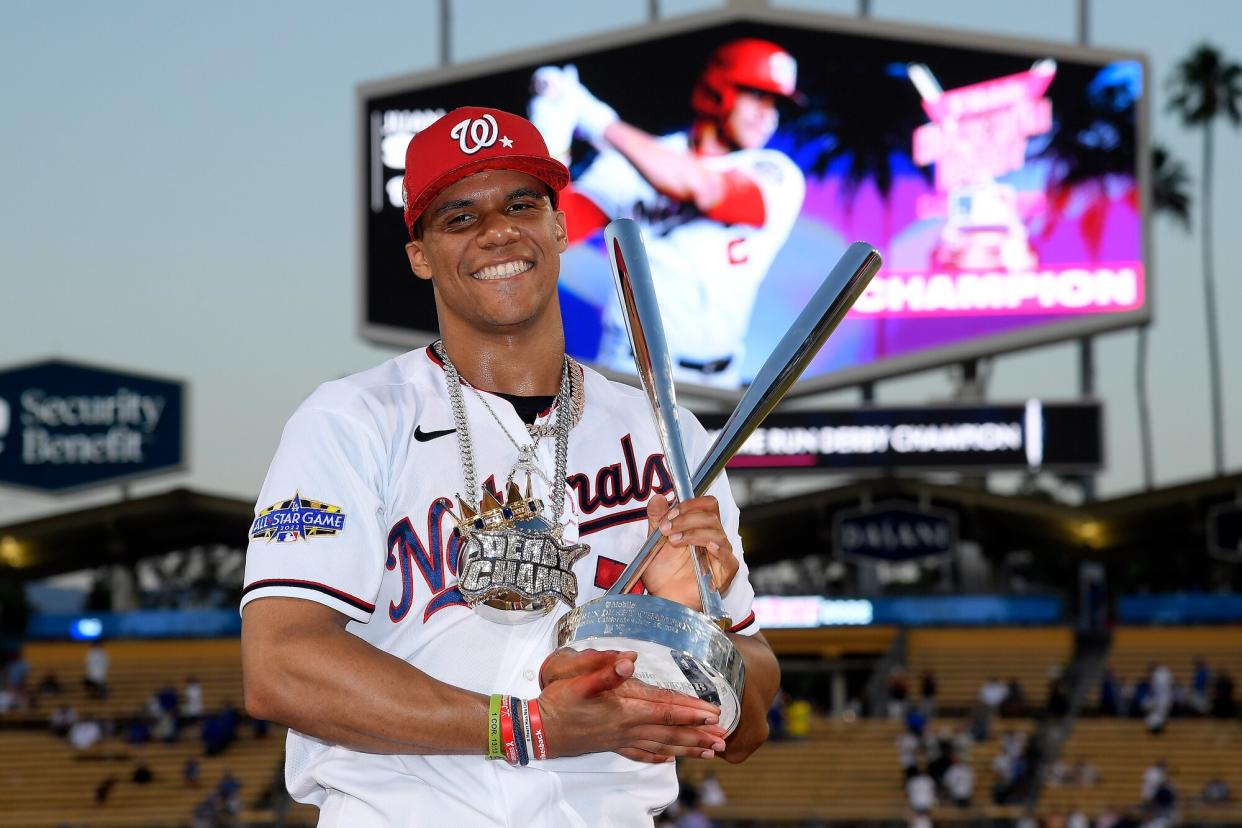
<point x="492" y="243"/>
<point x="753" y="120"/>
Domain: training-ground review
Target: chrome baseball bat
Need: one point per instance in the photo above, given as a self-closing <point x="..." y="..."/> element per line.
<point x="636" y="289"/>
<point x="821" y="316"/>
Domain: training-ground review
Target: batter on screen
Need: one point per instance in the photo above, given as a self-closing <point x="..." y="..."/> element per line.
<point x="715" y="205"/>
<point x="414" y="698"/>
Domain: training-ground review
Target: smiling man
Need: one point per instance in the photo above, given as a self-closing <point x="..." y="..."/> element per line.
<point x="376" y="625"/>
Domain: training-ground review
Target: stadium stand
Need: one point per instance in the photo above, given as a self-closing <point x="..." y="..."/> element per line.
<point x="1135" y="649"/>
<point x="844" y="771"/>
<point x="1195" y="751"/>
<point x="962" y="659"/>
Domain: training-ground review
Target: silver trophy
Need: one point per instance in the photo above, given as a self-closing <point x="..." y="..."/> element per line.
<point x="680" y="648"/>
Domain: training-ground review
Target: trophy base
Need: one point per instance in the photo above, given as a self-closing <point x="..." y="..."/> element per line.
<point x="678" y="648"/>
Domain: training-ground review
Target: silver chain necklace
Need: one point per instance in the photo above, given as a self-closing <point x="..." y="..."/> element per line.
<point x="566" y="417"/>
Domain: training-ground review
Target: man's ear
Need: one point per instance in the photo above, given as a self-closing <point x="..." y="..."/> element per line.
<point x="418" y="259"/>
<point x="562" y="235"/>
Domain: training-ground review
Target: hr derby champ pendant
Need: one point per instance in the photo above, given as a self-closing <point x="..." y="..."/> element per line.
<point x="513" y="566"/>
<point x="680" y="648"/>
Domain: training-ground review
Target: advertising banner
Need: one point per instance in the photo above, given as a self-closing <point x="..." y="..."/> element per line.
<point x="1064" y="436"/>
<point x="65" y="426"/>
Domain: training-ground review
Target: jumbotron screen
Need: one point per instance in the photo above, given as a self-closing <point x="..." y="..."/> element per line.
<point x="1000" y="183"/>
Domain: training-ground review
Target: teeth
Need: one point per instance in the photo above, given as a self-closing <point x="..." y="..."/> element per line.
<point x="502" y="271"/>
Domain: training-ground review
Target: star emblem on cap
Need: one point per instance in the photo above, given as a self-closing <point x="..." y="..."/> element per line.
<point x="506" y="141"/>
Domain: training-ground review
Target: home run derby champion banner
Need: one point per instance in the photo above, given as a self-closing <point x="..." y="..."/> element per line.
<point x="1000" y="182"/>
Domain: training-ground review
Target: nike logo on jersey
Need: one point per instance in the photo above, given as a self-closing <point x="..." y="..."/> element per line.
<point x="423" y="436"/>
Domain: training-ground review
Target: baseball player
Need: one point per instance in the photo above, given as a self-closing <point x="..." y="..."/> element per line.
<point x="715" y="206"/>
<point x="358" y="632"/>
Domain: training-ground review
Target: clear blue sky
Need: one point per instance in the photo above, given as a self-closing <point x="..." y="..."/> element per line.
<point x="179" y="200"/>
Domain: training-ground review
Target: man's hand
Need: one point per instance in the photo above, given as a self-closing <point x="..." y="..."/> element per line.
<point x="695" y="522"/>
<point x="553" y="107"/>
<point x="591" y="703"/>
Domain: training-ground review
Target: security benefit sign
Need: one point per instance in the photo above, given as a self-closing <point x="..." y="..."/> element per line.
<point x="894" y="531"/>
<point x="64" y="425"/>
<point x="1030" y="435"/>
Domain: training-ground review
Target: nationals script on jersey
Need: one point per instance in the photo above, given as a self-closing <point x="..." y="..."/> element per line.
<point x="354" y="515"/>
<point x="706" y="273"/>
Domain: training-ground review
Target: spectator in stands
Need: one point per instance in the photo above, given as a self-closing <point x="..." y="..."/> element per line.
<point x="1014" y="703"/>
<point x="85" y="734"/>
<point x="908" y="753"/>
<point x="103" y="789"/>
<point x="776" y="717"/>
<point x="189" y="772"/>
<point x="142" y="774"/>
<point x="1216" y="791"/>
<point x="993" y="694"/>
<point x="229" y="791"/>
<point x="1223" y="704"/>
<point x="1058" y="698"/>
<point x="711" y="793"/>
<point x="1160" y="702"/>
<point x="50" y="685"/>
<point x="959" y="780"/>
<point x="139" y="731"/>
<point x="166" y="698"/>
<point x="915" y="721"/>
<point x="981" y="723"/>
<point x="1199" y="685"/>
<point x="1084" y="774"/>
<point x="61" y="719"/>
<point x="1155" y="776"/>
<point x="939" y="754"/>
<point x="928" y="692"/>
<point x="192" y="710"/>
<point x="963" y="743"/>
<point x="898" y="693"/>
<point x="921" y="792"/>
<point x="167" y="730"/>
<point x="1163" y="803"/>
<point x="97" y="662"/>
<point x="1139" y="699"/>
<point x="798" y="719"/>
<point x="17" y="674"/>
<point x="1077" y="819"/>
<point x="219" y="730"/>
<point x="1110" y="695"/>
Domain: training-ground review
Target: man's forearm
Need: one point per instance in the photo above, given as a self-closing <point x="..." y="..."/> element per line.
<point x="332" y="685"/>
<point x="763" y="679"/>
<point x="676" y="175"/>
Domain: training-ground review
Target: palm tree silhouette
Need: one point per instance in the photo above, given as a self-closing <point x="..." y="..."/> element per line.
<point x="1206" y="87"/>
<point x="1169" y="195"/>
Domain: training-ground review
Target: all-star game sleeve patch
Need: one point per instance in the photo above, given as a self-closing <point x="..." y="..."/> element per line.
<point x="298" y="518"/>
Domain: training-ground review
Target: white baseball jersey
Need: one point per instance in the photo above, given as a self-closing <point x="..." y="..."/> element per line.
<point x="706" y="273"/>
<point x="354" y="515"/>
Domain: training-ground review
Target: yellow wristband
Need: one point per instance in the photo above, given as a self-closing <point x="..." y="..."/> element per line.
<point x="495" y="750"/>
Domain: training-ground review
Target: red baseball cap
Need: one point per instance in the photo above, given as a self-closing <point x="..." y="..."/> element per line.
<point x="466" y="141"/>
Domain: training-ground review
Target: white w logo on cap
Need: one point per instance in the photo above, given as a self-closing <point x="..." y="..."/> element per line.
<point x="473" y="134"/>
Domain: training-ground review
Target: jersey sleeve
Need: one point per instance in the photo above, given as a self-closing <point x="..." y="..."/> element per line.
<point x="739" y="599"/>
<point x="782" y="184"/>
<point x="318" y="531"/>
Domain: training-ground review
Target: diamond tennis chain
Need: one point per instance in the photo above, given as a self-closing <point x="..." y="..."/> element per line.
<point x="569" y="411"/>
